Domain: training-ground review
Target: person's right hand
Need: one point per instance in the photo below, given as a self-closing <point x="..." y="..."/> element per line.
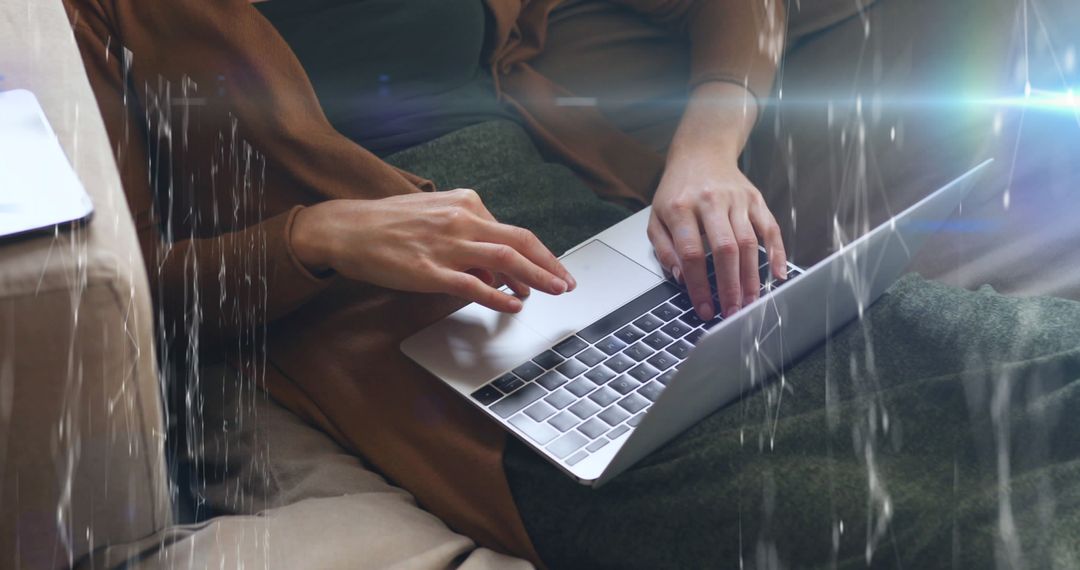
<point x="430" y="242"/>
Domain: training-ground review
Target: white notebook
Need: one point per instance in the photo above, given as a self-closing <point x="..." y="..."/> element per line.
<point x="38" y="188"/>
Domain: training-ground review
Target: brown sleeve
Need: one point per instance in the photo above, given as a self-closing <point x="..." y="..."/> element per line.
<point x="737" y="41"/>
<point x="235" y="281"/>
<point x="232" y="279"/>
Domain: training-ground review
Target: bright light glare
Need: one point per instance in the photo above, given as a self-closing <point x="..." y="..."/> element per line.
<point x="1044" y="100"/>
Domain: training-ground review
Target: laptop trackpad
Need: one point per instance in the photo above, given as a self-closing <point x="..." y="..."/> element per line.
<point x="606" y="281"/>
<point x="476" y="344"/>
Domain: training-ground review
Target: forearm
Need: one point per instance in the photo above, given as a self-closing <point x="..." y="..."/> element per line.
<point x="716" y="124"/>
<point x="735" y="41"/>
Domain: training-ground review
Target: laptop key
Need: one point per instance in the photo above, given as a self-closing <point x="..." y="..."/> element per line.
<point x="657" y="340"/>
<point x="663" y="361"/>
<point x="593" y="428"/>
<point x="560" y="399"/>
<point x="584" y="408"/>
<point x="564" y="421"/>
<point x="552" y="379"/>
<point x="666" y="312"/>
<point x="567" y="444"/>
<point x="570" y="346"/>
<point x="629" y="334"/>
<point x="614" y="415"/>
<point x="528" y="371"/>
<point x="680" y="349"/>
<point x="611" y="345"/>
<point x="651" y="391"/>
<point x="540" y="433"/>
<point x="619" y="363"/>
<point x="576" y="458"/>
<point x="571" y="368"/>
<point x="539" y="411"/>
<point x="624" y="384"/>
<point x="580" y="387"/>
<point x="628" y="312"/>
<point x="676" y="329"/>
<point x="633" y="403"/>
<point x="600" y="375"/>
<point x="617" y="432"/>
<point x="643" y="372"/>
<point x="634" y="421"/>
<point x="691" y="318"/>
<point x="666" y="377"/>
<point x="638" y="351"/>
<point x="513" y="403"/>
<point x="709" y="325"/>
<point x="694" y="336"/>
<point x="486" y="395"/>
<point x="604" y="396"/>
<point x="682" y="301"/>
<point x="591" y="357"/>
<point x="508" y="383"/>
<point x="597" y="445"/>
<point x="648" y="323"/>
<point x="548" y="359"/>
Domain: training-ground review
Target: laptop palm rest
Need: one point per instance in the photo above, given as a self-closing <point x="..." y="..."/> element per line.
<point x="476" y="344"/>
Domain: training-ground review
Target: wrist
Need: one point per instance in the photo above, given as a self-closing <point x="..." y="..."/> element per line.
<point x="311" y="249"/>
<point x="717" y="123"/>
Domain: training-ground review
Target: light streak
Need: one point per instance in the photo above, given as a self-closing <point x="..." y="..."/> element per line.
<point x="1041" y="100"/>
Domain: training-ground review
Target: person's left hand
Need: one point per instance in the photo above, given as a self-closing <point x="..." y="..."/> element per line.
<point x="705" y="204"/>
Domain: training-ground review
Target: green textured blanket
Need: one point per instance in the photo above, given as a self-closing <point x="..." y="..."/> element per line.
<point x="940" y="431"/>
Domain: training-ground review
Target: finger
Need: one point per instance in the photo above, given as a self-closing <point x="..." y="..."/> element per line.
<point x="748" y="255"/>
<point x="501" y="258"/>
<point x="526" y="243"/>
<point x="663" y="247"/>
<point x="483" y="275"/>
<point x="682" y="226"/>
<point x="468" y="287"/>
<point x="520" y="289"/>
<point x="766" y="227"/>
<point x="498" y="280"/>
<point x="725" y="251"/>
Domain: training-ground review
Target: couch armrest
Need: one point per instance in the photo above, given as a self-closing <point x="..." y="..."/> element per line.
<point x="81" y="430"/>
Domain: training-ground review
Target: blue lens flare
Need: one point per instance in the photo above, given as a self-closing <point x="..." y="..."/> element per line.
<point x="1042" y="100"/>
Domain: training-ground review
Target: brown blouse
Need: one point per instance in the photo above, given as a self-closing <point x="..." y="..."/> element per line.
<point x="205" y="102"/>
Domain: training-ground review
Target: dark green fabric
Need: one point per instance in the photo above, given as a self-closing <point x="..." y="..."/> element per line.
<point x="500" y="162"/>
<point x="902" y="428"/>
<point x="942" y="422"/>
<point x="391" y="74"/>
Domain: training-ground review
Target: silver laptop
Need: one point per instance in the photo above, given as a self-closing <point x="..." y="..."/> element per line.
<point x="596" y="379"/>
<point x="38" y="188"/>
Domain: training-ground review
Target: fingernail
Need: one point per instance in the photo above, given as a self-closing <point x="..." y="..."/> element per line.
<point x="571" y="281"/>
<point x="748" y="299"/>
<point x="515" y="305"/>
<point x="705" y="311"/>
<point x="677" y="274"/>
<point x="558" y="285"/>
<point x="731" y="311"/>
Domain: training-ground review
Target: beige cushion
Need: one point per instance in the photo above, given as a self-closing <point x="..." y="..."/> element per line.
<point x="316" y="505"/>
<point x="80" y="416"/>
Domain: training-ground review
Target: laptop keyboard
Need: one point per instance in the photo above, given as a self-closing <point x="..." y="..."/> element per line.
<point x="596" y="385"/>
